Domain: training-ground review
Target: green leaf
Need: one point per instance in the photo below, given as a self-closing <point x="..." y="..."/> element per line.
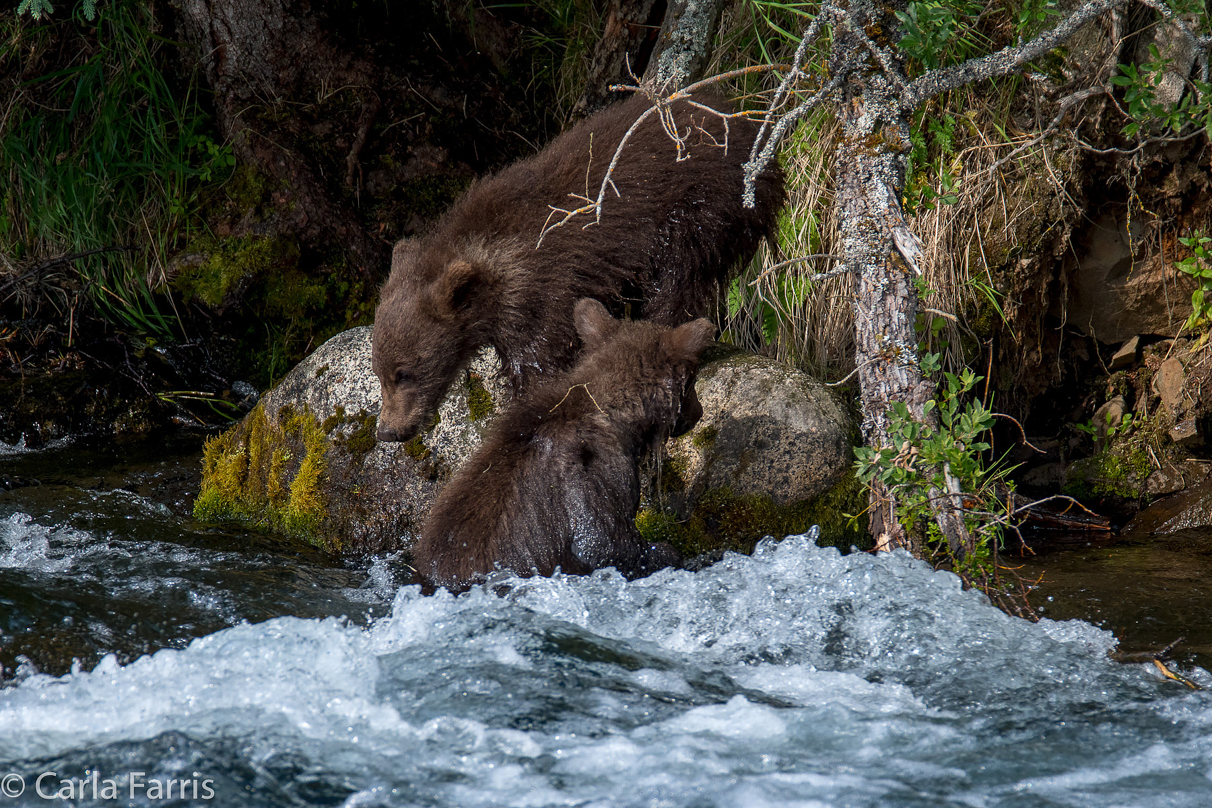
<point x="36" y="8"/>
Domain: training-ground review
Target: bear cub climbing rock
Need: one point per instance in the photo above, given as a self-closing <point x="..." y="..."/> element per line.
<point x="556" y="481"/>
<point x="669" y="231"/>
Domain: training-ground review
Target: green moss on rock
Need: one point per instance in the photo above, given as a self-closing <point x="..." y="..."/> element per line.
<point x="705" y="437"/>
<point x="269" y="474"/>
<point x="479" y="401"/>
<point x="416" y="449"/>
<point x="333" y="421"/>
<point x="362" y="438"/>
<point x="724" y="520"/>
<point x="1118" y="471"/>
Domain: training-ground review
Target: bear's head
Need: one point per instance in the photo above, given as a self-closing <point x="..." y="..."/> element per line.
<point x="428" y="324"/>
<point x="652" y="365"/>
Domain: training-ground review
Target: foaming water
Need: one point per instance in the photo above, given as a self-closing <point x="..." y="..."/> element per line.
<point x="98" y="557"/>
<point x="796" y="677"/>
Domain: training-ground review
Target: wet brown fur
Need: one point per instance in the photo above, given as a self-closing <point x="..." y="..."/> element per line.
<point x="556" y="481"/>
<point x="665" y="244"/>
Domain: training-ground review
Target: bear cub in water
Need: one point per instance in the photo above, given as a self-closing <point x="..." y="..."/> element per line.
<point x="670" y="230"/>
<point x="556" y="481"/>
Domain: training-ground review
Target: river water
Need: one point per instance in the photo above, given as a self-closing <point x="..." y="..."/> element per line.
<point x="222" y="667"/>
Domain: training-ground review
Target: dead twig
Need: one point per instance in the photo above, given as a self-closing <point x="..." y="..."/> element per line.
<point x="567" y="393"/>
<point x="662" y="106"/>
<point x="820" y="276"/>
<point x="1022" y="432"/>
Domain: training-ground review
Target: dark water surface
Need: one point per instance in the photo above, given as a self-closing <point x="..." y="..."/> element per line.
<point x="1147" y="590"/>
<point x="99" y="554"/>
<point x="247" y="671"/>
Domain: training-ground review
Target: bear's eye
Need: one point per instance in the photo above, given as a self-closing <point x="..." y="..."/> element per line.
<point x="404" y="377"/>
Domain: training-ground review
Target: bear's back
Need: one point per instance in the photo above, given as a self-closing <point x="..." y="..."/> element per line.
<point x="533" y="492"/>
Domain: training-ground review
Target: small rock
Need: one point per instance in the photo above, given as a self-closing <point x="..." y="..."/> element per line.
<point x="1108" y="416"/>
<point x="1188" y="509"/>
<point x="1126" y="355"/>
<point x="1168" y="383"/>
<point x="1186" y="433"/>
<point x="1165" y="481"/>
<point x="766" y="429"/>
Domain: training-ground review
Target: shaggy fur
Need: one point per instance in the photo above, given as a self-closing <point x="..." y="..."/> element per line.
<point x="664" y="245"/>
<point x="556" y="481"/>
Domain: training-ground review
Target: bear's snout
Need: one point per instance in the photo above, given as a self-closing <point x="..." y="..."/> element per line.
<point x="403" y="417"/>
<point x="389" y="434"/>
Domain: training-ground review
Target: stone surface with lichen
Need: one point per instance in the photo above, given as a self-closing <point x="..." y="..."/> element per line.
<point x="306" y="462"/>
<point x="771" y="447"/>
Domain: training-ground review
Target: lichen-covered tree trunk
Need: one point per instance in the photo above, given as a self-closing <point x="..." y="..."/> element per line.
<point x="870" y="166"/>
<point x="870" y="175"/>
<point x="259" y="56"/>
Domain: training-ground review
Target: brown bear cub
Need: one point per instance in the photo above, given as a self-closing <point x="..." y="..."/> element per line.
<point x="670" y="230"/>
<point x="556" y="481"/>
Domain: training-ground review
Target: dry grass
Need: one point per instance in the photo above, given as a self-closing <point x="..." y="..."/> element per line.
<point x="779" y="311"/>
<point x="996" y="210"/>
<point x="1008" y="201"/>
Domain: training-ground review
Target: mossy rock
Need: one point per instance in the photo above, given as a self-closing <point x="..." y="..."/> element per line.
<point x="1118" y="472"/>
<point x="771" y="456"/>
<point x="725" y="520"/>
<point x="306" y="463"/>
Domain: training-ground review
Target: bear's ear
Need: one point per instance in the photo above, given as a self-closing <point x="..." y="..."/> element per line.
<point x="690" y="339"/>
<point x="404" y="254"/>
<point x="594" y="324"/>
<point x="460" y="285"/>
<point x="404" y="260"/>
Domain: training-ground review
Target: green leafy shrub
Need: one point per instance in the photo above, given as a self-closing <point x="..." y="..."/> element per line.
<point x="952" y="438"/>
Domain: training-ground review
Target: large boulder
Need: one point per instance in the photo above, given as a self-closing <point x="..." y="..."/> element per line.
<point x="772" y="455"/>
<point x="305" y="461"/>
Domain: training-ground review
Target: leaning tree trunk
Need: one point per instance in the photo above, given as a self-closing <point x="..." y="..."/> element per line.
<point x="885" y="307"/>
<point x="257" y="55"/>
<point x="870" y="165"/>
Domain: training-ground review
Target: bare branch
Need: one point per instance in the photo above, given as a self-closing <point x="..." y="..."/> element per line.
<point x="759" y="160"/>
<point x="857" y="368"/>
<point x="820" y="276"/>
<point x="810" y="34"/>
<point x="764" y="146"/>
<point x="595" y="206"/>
<point x="1022" y="432"/>
<point x="1005" y="61"/>
<point x="1143" y="144"/>
<point x="663" y="107"/>
<point x="690" y="88"/>
<point x="1066" y="104"/>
